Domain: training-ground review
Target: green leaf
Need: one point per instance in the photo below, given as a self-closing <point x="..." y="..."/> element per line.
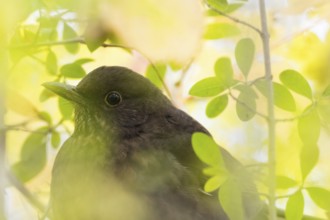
<point x="65" y="108"/>
<point x="45" y="117"/>
<point x="282" y="97"/>
<point x="283" y="182"/>
<point x="326" y="92"/>
<point x="320" y="196"/>
<point x="69" y="34"/>
<point x="207" y="150"/>
<point x="296" y="82"/>
<point x="215" y="182"/>
<point x="207" y="87"/>
<point x="220" y="30"/>
<point x="55" y="139"/>
<point x="20" y="105"/>
<point x="223" y="6"/>
<point x="51" y="63"/>
<point x="175" y="66"/>
<point x="156" y="77"/>
<point x="216" y="106"/>
<point x="309" y="156"/>
<point x="295" y="206"/>
<point x="214" y="171"/>
<point x="309" y="126"/>
<point x="32" y="157"/>
<point x="246" y="107"/>
<point x="72" y="70"/>
<point x="224" y="71"/>
<point x="244" y="53"/>
<point x="45" y="95"/>
<point x="95" y="38"/>
<point x="82" y="61"/>
<point x="230" y="198"/>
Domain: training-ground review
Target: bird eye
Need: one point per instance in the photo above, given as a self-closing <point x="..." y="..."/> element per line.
<point x="113" y="98"/>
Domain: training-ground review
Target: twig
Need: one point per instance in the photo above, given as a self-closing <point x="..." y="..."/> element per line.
<point x="271" y="113"/>
<point x="233" y="18"/>
<point x="25" y="192"/>
<point x="184" y="72"/>
<point x="82" y="41"/>
<point x="297" y="117"/>
<point x="246" y="106"/>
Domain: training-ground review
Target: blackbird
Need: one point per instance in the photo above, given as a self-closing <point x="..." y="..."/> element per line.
<point x="130" y="156"/>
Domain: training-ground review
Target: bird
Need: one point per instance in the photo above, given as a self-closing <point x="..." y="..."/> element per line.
<point x="130" y="156"/>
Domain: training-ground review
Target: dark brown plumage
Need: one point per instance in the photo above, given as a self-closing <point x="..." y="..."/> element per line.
<point x="130" y="156"/>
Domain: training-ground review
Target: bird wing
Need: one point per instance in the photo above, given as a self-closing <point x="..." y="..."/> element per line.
<point x="184" y="126"/>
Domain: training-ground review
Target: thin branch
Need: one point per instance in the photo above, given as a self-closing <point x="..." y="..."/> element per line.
<point x="184" y="72"/>
<point x="247" y="106"/>
<point x="233" y="18"/>
<point x="82" y="41"/>
<point x="271" y="113"/>
<point x="299" y="116"/>
<point x="25" y="192"/>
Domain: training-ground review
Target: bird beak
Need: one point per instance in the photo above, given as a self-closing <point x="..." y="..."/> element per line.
<point x="66" y="91"/>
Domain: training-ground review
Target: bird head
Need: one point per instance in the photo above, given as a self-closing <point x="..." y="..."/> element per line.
<point x="111" y="96"/>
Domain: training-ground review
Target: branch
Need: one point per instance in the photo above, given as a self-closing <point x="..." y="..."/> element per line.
<point x="271" y="114"/>
<point x="247" y="106"/>
<point x="233" y="18"/>
<point x="25" y="192"/>
<point x="297" y="117"/>
<point x="105" y="45"/>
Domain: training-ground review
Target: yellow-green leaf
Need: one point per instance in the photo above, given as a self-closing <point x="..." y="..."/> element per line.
<point x="295" y="206"/>
<point x="156" y="77"/>
<point x="207" y="87"/>
<point x="283" y="182"/>
<point x="45" y="116"/>
<point x="45" y="95"/>
<point x="82" y="61"/>
<point x="230" y="198"/>
<point x="220" y="30"/>
<point x="296" y="82"/>
<point x="51" y="62"/>
<point x="65" y="108"/>
<point x="224" y="71"/>
<point x="215" y="182"/>
<point x="244" y="53"/>
<point x="213" y="171"/>
<point x="246" y="104"/>
<point x="320" y="196"/>
<point x="95" y="35"/>
<point x="309" y="157"/>
<point x="309" y="126"/>
<point x="207" y="150"/>
<point x="216" y="106"/>
<point x="68" y="34"/>
<point x="19" y="104"/>
<point x="326" y="92"/>
<point x="282" y="96"/>
<point x="32" y="157"/>
<point x="55" y="139"/>
<point x="72" y="70"/>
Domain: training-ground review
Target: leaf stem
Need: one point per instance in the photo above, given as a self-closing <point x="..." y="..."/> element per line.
<point x="271" y="113"/>
<point x="82" y="41"/>
<point x="246" y="105"/>
<point x="233" y="18"/>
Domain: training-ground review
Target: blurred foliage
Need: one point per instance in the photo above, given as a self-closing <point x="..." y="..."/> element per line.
<point x="62" y="40"/>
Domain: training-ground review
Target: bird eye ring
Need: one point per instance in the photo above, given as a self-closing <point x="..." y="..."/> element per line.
<point x="113" y="98"/>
